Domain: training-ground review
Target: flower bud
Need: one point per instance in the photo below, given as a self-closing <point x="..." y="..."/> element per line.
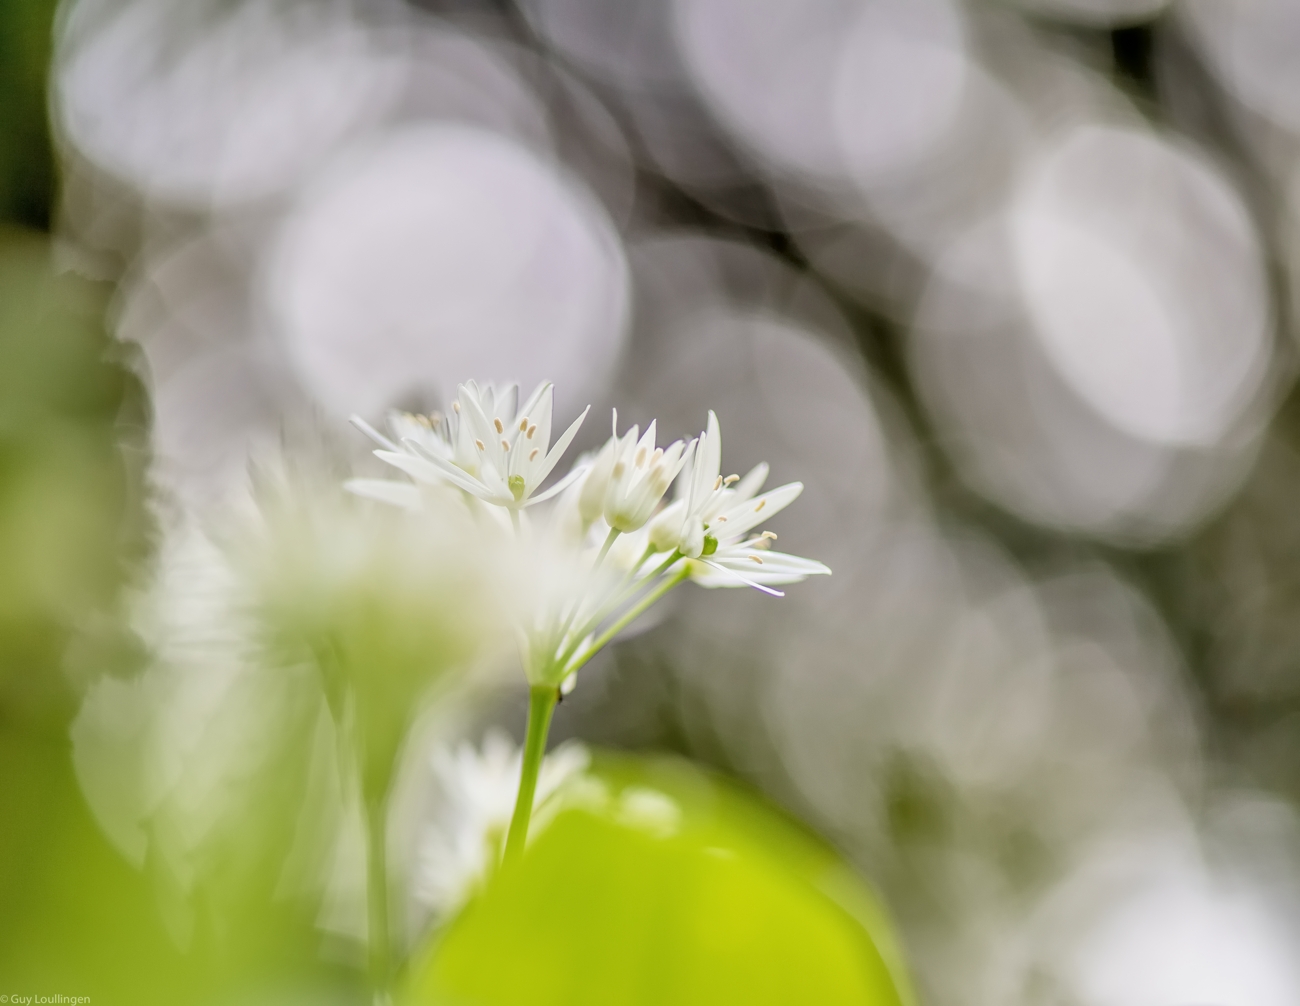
<point x="665" y="531"/>
<point x="591" y="500"/>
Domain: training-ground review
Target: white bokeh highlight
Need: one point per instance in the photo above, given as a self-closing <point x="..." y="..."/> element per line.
<point x="439" y="251"/>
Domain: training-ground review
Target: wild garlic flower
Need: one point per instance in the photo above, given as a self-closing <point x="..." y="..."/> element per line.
<point x="464" y="843"/>
<point x="640" y="476"/>
<point x="601" y="541"/>
<point x="739" y="558"/>
<point x="487" y="447"/>
<point x="714" y="517"/>
<point x="629" y="478"/>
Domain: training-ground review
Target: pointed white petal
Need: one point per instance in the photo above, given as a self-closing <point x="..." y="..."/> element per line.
<point x="747" y="514"/>
<point x="485" y="433"/>
<point x="647" y="442"/>
<point x="752" y="482"/>
<point x="426" y="467"/>
<point x="532" y="408"/>
<point x="776" y="567"/>
<point x="559" y="487"/>
<point x="706" y="475"/>
<point x="507" y="399"/>
<point x="561" y="446"/>
<point x="373" y="433"/>
<point x="401" y="494"/>
<point x="711" y="582"/>
<point x="538" y="414"/>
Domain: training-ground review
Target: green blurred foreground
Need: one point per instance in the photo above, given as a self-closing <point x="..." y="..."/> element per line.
<point x="672" y="888"/>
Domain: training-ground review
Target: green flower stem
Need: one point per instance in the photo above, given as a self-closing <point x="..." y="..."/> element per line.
<point x="377" y="898"/>
<point x="604" y="549"/>
<point x="626" y="592"/>
<point x="665" y="585"/>
<point x="567" y="623"/>
<point x="541" y="704"/>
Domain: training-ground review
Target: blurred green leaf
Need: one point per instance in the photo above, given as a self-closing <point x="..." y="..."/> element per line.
<point x="672" y="887"/>
<point x="26" y="160"/>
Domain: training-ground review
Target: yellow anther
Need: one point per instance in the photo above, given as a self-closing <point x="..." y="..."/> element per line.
<point x="730" y="479"/>
<point x="640" y="457"/>
<point x="532" y="455"/>
<point x="619" y="469"/>
<point x="499" y="425"/>
<point x="523" y="424"/>
<point x="757" y="559"/>
<point x="531" y="430"/>
<point x="770" y="535"/>
<point x="717" y="483"/>
<point x="455" y="406"/>
<point x="761" y="504"/>
<point x="480" y="445"/>
<point x="505" y="445"/>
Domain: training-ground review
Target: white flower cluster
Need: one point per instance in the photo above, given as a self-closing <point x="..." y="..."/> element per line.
<point x="616" y="546"/>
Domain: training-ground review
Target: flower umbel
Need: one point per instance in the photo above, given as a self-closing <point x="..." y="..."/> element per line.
<point x="611" y="561"/>
<point x="488" y="448"/>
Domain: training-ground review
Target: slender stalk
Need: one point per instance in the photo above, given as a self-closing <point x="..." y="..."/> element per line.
<point x="377" y="898"/>
<point x="514" y="520"/>
<point x="541" y="704"/>
<point x="667" y="584"/>
<point x="563" y="628"/>
<point x="604" y="549"/>
<point x="625" y="592"/>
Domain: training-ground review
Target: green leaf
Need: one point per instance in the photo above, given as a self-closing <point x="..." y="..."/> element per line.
<point x="665" y="885"/>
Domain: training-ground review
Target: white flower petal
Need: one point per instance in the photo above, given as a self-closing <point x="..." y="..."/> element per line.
<point x="558" y="488"/>
<point x="400" y="494"/>
<point x="730" y="578"/>
<point x="752" y="482"/>
<point x="561" y="446"/>
<point x="373" y="434"/>
<point x="746" y="514"/>
<point x="425" y="467"/>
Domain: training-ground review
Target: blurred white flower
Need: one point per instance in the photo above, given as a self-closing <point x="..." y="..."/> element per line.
<point x="478" y="787"/>
<point x="278" y="636"/>
<point x="510" y="457"/>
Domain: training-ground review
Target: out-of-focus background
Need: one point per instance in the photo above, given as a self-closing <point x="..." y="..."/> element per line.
<point x="1009" y="285"/>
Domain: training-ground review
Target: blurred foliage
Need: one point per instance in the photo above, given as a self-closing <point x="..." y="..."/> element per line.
<point x="670" y="886"/>
<point x="26" y="161"/>
<point x="77" y="919"/>
<point x="76" y="916"/>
